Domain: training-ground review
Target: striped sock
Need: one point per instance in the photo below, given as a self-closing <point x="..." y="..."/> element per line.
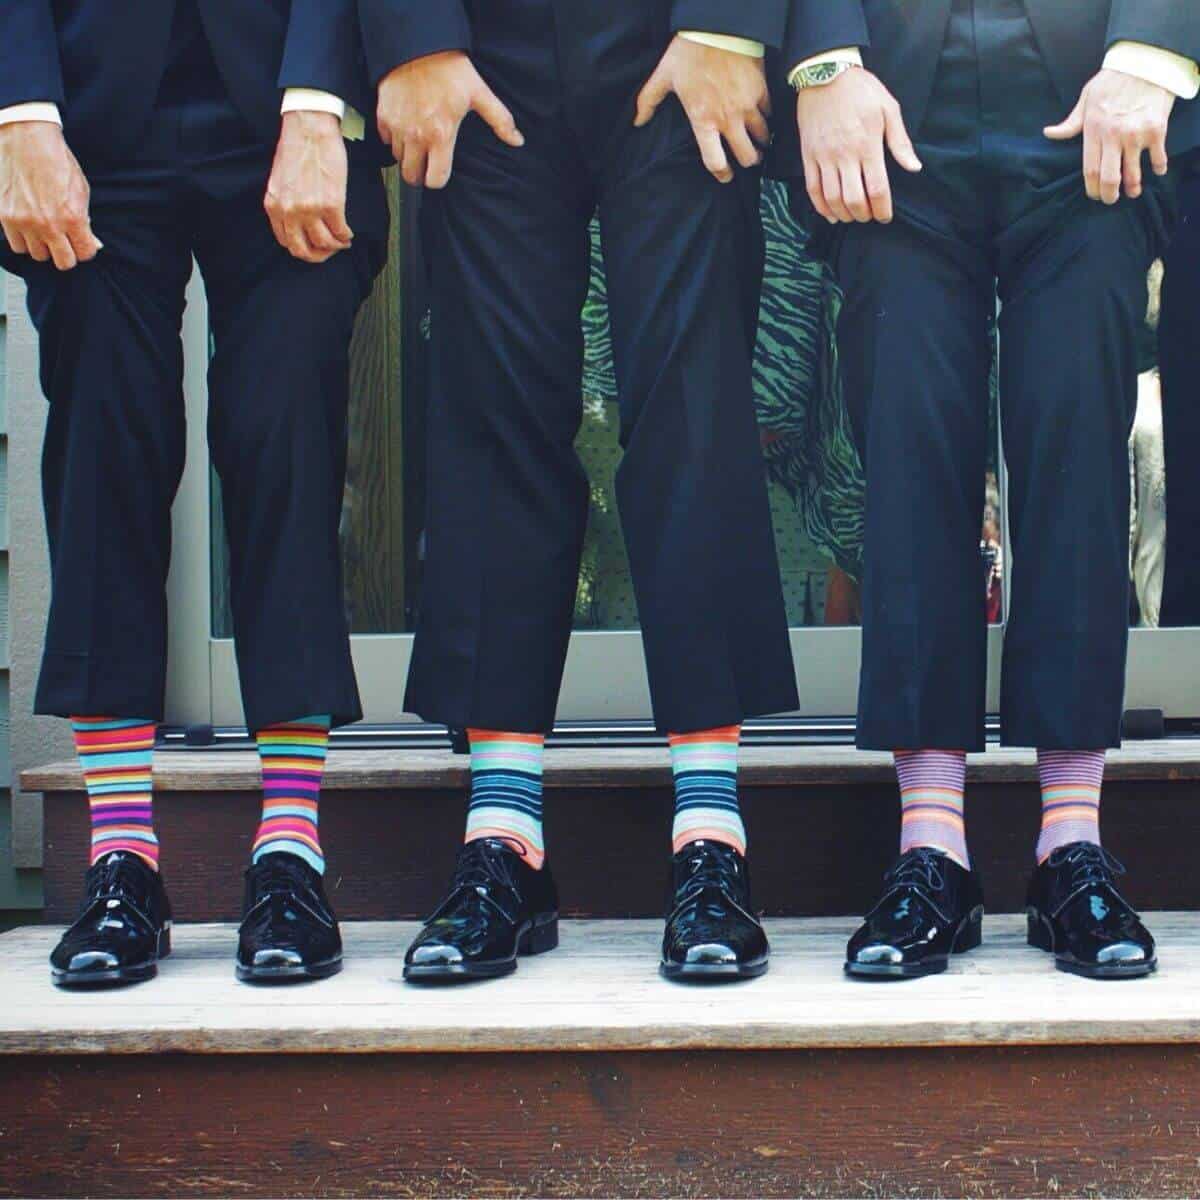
<point x="506" y="791"/>
<point x="1071" y="782"/>
<point x="117" y="761"/>
<point x="932" y="783"/>
<point x="705" y="767"/>
<point x="293" y="761"/>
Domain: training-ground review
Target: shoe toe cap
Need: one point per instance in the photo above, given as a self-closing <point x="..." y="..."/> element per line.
<point x="434" y="954"/>
<point x="878" y="954"/>
<point x="277" y="956"/>
<point x="711" y="954"/>
<point x="1120" y="953"/>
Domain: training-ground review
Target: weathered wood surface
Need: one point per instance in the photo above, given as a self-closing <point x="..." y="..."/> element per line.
<point x="600" y="991"/>
<point x="995" y="1122"/>
<point x="762" y="766"/>
<point x="815" y="851"/>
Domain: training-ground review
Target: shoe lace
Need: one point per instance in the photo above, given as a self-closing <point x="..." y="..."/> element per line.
<point x="711" y="866"/>
<point x="482" y="863"/>
<point x="917" y="868"/>
<point x="116" y="877"/>
<point x="276" y="874"/>
<point x="1087" y="863"/>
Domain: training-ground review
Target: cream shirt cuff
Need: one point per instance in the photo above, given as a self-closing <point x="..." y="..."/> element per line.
<point x="38" y="110"/>
<point x="725" y="41"/>
<point x="311" y="100"/>
<point x="1175" y="72"/>
<point x="843" y="54"/>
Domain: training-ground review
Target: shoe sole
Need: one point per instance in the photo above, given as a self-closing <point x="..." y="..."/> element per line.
<point x="122" y="976"/>
<point x="1040" y="937"/>
<point x="968" y="937"/>
<point x="321" y="970"/>
<point x="537" y="939"/>
<point x="711" y="972"/>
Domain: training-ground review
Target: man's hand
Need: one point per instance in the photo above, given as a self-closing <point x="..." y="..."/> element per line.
<point x="44" y="196"/>
<point x="422" y="105"/>
<point x="844" y="126"/>
<point x="1120" y="116"/>
<point x="725" y="96"/>
<point x="306" y="194"/>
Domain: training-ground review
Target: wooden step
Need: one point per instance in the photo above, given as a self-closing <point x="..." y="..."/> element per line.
<point x="823" y="825"/>
<point x="585" y="1074"/>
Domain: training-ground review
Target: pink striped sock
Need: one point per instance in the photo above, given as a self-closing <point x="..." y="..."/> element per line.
<point x="932" y="783"/>
<point x="1071" y="781"/>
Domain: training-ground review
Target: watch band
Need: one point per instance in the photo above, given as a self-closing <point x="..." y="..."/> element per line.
<point x="818" y="74"/>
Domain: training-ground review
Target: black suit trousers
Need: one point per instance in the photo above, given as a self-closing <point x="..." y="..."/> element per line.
<point x="507" y="243"/>
<point x="112" y="369"/>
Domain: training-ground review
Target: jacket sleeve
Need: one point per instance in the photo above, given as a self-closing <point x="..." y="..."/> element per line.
<point x="817" y="25"/>
<point x="1171" y="24"/>
<point x="762" y="21"/>
<point x="323" y="50"/>
<point x="29" y="63"/>
<point x="397" y="31"/>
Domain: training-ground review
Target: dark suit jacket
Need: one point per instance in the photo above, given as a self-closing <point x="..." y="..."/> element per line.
<point x="902" y="41"/>
<point x="397" y="31"/>
<point x="102" y="61"/>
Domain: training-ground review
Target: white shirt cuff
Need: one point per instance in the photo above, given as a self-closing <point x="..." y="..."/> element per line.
<point x="843" y="54"/>
<point x="1175" y="72"/>
<point x="311" y="100"/>
<point x="38" y="110"/>
<point x="725" y="41"/>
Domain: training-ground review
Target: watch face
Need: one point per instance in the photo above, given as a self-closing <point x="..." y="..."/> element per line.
<point x="819" y="73"/>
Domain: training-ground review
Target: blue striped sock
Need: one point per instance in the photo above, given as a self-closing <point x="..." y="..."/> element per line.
<point x="706" y="792"/>
<point x="506" y="791"/>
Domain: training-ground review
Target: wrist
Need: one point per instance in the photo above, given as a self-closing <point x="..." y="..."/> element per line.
<point x="304" y="123"/>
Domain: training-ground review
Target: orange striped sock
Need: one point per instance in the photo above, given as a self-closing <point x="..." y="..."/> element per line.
<point x="1071" y="783"/>
<point x="506" y="791"/>
<point x="117" y="760"/>
<point x="705" y="767"/>
<point x="932" y="783"/>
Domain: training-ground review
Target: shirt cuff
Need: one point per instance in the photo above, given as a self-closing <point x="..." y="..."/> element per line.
<point x="1155" y="64"/>
<point x="843" y="54"/>
<point x="725" y="41"/>
<point x="297" y="99"/>
<point x="38" y="110"/>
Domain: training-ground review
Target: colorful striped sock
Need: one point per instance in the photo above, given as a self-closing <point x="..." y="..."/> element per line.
<point x="1071" y="781"/>
<point x="705" y="767"/>
<point x="293" y="761"/>
<point x="117" y="760"/>
<point x="932" y="783"/>
<point x="506" y="791"/>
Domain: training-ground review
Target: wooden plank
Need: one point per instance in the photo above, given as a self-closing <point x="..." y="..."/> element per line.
<point x="600" y="991"/>
<point x="986" y="1123"/>
<point x="1172" y="759"/>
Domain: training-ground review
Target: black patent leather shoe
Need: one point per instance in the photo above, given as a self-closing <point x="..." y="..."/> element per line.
<point x="288" y="931"/>
<point x="712" y="933"/>
<point x="1076" y="913"/>
<point x="930" y="909"/>
<point x="123" y="928"/>
<point x="497" y="908"/>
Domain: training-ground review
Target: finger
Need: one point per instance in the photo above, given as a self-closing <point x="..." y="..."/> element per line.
<point x="764" y="103"/>
<point x="1110" y="171"/>
<point x="1159" y="160"/>
<point x="742" y="145"/>
<point x="61" y="252"/>
<point x="712" y="151"/>
<point x="1131" y="171"/>
<point x="1092" y="149"/>
<point x="812" y="184"/>
<point x="84" y="242"/>
<point x="335" y="218"/>
<point x="320" y="237"/>
<point x="441" y="162"/>
<point x="413" y="163"/>
<point x="853" y="193"/>
<point x="657" y="89"/>
<point x="760" y="131"/>
<point x="899" y="143"/>
<point x="879" y="188"/>
<point x="15" y="238"/>
<point x="1072" y="127"/>
<point x="297" y="244"/>
<point x="487" y="104"/>
<point x="385" y="136"/>
<point x="831" y="184"/>
<point x="38" y="250"/>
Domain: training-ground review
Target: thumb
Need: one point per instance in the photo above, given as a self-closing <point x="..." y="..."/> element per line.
<point x="657" y="89"/>
<point x="487" y="104"/>
<point x="1072" y="127"/>
<point x="899" y="143"/>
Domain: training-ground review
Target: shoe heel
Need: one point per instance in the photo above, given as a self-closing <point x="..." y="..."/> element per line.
<point x="1036" y="932"/>
<point x="540" y="938"/>
<point x="970" y="936"/>
<point x="164" y="942"/>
